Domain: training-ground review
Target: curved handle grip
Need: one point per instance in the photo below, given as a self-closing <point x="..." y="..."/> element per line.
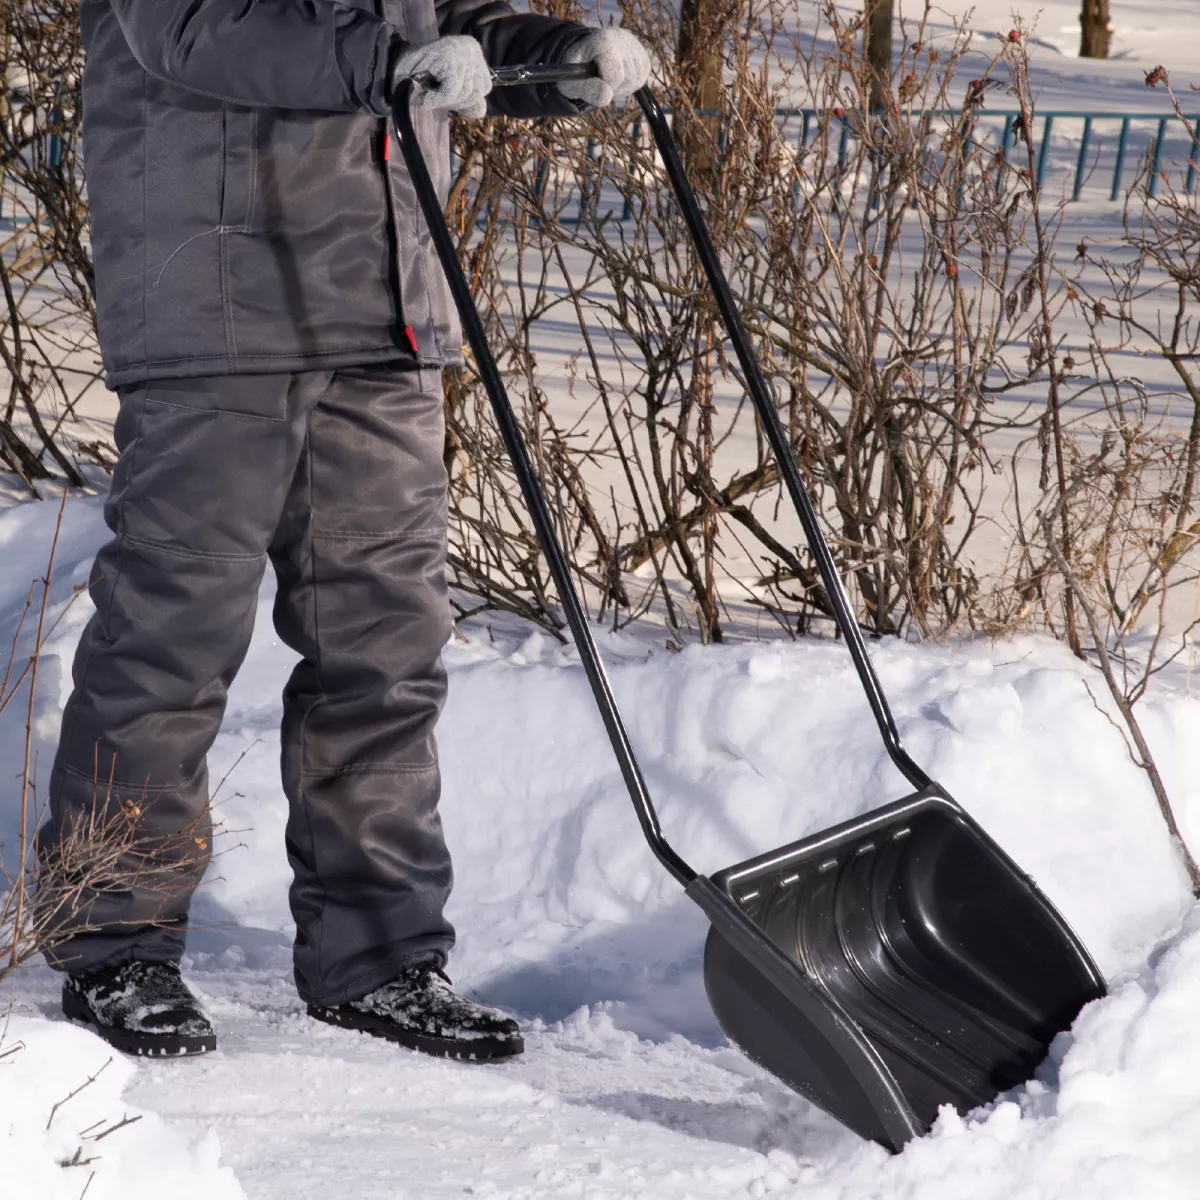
<point x="525" y="74"/>
<point x="544" y="73"/>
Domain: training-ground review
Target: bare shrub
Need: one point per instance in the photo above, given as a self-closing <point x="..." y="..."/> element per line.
<point x="874" y="264"/>
<point x="900" y="273"/>
<point x="902" y="276"/>
<point x="955" y="380"/>
<point x="47" y="290"/>
<point x="47" y="898"/>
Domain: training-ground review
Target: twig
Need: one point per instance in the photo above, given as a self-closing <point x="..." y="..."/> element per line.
<point x="126" y="1120"/>
<point x="87" y="1083"/>
<point x="233" y="767"/>
<point x="1144" y="758"/>
<point x="77" y="1159"/>
<point x="23" y="837"/>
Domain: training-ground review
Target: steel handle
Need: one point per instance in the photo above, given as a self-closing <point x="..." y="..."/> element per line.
<point x="531" y="490"/>
<point x="768" y="415"/>
<point x="544" y="73"/>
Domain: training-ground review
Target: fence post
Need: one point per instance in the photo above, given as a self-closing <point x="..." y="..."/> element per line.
<point x="1119" y="169"/>
<point x="6" y="98"/>
<point x="1005" y="143"/>
<point x="1191" y="175"/>
<point x="926" y="129"/>
<point x="805" y="115"/>
<point x="626" y="206"/>
<point x="539" y="189"/>
<point x="1158" y="149"/>
<point x="1081" y="165"/>
<point x="591" y="157"/>
<point x="1044" y="152"/>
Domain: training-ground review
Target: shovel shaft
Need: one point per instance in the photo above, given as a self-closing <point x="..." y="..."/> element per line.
<point x="531" y="490"/>
<point x="510" y="430"/>
<point x="768" y="415"/>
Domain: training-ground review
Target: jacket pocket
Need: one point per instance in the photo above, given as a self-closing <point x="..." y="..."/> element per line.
<point x="239" y="166"/>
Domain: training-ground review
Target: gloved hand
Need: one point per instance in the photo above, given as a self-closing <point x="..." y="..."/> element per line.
<point x="623" y="62"/>
<point x="458" y="65"/>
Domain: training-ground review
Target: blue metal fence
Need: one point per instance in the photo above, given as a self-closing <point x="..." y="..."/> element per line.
<point x="54" y="154"/>
<point x="1081" y="151"/>
<point x="1157" y="137"/>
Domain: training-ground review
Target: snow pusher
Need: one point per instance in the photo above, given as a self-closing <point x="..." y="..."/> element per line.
<point x="893" y="964"/>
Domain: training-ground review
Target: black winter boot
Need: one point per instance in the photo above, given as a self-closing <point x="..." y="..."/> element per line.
<point x="141" y="1008"/>
<point x="418" y="1009"/>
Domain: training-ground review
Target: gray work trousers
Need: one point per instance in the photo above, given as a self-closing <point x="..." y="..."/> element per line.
<point x="337" y="478"/>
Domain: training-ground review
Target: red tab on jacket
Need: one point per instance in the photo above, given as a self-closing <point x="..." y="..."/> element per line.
<point x="412" y="338"/>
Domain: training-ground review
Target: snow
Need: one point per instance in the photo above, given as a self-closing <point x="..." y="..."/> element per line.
<point x="54" y="1144"/>
<point x="627" y="1087"/>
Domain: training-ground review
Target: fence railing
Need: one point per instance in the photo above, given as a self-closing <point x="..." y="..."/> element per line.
<point x="1161" y="126"/>
<point x="1083" y="152"/>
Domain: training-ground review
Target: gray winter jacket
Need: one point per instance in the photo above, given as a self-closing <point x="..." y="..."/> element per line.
<point x="246" y="213"/>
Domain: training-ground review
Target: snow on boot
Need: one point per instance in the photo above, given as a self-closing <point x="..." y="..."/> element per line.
<point x="420" y="1010"/>
<point x="141" y="1008"/>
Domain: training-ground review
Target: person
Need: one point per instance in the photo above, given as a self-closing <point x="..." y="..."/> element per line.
<point x="275" y="322"/>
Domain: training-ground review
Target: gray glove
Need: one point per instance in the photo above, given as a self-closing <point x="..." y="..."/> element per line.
<point x="458" y="65"/>
<point x="623" y="62"/>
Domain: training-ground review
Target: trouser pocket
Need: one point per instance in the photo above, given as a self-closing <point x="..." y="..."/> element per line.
<point x="206" y="463"/>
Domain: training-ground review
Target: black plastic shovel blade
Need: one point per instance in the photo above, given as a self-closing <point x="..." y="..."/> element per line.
<point x="928" y="968"/>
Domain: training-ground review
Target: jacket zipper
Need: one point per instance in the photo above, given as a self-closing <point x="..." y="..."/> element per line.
<point x="385" y="140"/>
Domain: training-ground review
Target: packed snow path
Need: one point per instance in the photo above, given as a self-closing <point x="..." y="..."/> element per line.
<point x="304" y="1111"/>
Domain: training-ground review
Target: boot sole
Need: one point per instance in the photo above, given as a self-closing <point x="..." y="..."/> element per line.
<point x="483" y="1049"/>
<point x="138" y="1045"/>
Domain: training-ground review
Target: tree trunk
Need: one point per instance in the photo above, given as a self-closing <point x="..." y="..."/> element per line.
<point x="1096" y="33"/>
<point x="877" y="47"/>
<point x="702" y="28"/>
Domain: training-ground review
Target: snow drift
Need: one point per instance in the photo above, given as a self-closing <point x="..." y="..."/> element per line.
<point x="58" y="1131"/>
